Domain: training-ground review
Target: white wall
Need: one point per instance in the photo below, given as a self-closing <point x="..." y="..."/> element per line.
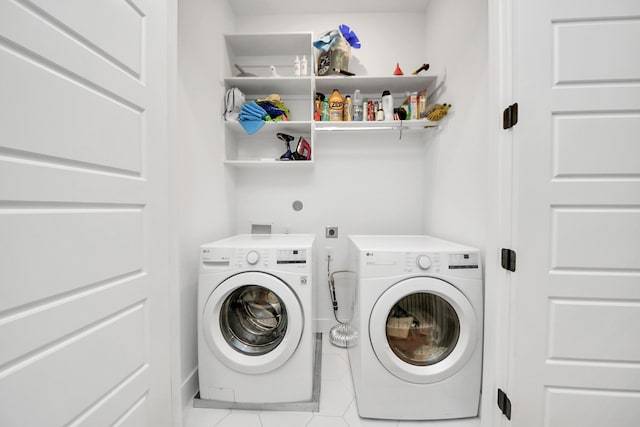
<point x="456" y="186"/>
<point x="362" y="183"/>
<point x="203" y="202"/>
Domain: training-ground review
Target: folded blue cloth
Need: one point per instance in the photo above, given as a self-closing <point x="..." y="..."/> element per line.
<point x="252" y="117"/>
<point x="251" y="126"/>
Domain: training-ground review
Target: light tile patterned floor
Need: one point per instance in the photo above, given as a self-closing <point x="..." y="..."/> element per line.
<point x="337" y="405"/>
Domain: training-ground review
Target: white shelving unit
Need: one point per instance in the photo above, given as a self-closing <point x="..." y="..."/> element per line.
<point x="255" y="53"/>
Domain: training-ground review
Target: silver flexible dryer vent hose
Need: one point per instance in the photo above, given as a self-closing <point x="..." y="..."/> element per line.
<point x="342" y="334"/>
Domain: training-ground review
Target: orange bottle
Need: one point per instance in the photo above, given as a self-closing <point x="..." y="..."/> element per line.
<point x="336" y="105"/>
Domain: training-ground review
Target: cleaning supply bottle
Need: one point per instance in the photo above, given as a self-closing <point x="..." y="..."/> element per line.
<point x="357" y="111"/>
<point x="304" y="70"/>
<point x="317" y="111"/>
<point x="387" y="105"/>
<point x="346" y="109"/>
<point x="379" y="112"/>
<point x="296" y="67"/>
<point x="336" y="105"/>
<point x="371" y="112"/>
<point x="324" y="112"/>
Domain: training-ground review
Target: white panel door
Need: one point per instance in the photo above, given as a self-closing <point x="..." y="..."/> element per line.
<point x="576" y="325"/>
<point x="83" y="213"/>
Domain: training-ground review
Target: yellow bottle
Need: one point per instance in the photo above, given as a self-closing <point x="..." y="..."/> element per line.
<point x="335" y="106"/>
<point x="346" y="108"/>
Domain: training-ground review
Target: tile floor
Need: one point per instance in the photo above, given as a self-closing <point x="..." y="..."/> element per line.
<point x="337" y="405"/>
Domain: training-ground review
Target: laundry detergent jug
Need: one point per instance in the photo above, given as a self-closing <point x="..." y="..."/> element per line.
<point x="336" y="105"/>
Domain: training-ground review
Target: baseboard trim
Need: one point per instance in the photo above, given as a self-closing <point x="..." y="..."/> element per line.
<point x="189" y="387"/>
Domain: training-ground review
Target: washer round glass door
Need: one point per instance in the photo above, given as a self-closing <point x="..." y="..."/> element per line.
<point x="423" y="329"/>
<point x="253" y="322"/>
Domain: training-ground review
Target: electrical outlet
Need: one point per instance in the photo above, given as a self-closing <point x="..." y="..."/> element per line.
<point x="328" y="252"/>
<point x="331" y="232"/>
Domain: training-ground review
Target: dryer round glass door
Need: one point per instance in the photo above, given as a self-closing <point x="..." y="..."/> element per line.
<point x="423" y="329"/>
<point x="253" y="322"/>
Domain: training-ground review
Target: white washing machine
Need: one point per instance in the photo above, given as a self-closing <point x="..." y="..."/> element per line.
<point x="419" y="320"/>
<point x="255" y="317"/>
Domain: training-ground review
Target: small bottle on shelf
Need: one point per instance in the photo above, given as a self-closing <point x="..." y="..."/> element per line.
<point x="357" y="110"/>
<point x="379" y="112"/>
<point x="324" y="113"/>
<point x="371" y="112"/>
<point x="296" y="67"/>
<point x="304" y="70"/>
<point x="346" y="109"/>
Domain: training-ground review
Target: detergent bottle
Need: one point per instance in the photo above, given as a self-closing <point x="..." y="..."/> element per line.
<point x="357" y="111"/>
<point x="387" y="105"/>
<point x="324" y="112"/>
<point x="346" y="108"/>
<point x="335" y="106"/>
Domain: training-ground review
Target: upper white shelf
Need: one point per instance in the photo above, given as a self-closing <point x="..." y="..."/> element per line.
<point x="375" y="85"/>
<point x="296" y="7"/>
<point x="255" y="53"/>
<point x="269" y="44"/>
<point x="269" y="85"/>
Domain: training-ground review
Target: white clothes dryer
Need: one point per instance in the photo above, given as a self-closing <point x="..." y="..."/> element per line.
<point x="255" y="316"/>
<point x="419" y="320"/>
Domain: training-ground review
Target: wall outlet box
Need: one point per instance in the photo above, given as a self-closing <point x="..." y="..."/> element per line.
<point x="331" y="232"/>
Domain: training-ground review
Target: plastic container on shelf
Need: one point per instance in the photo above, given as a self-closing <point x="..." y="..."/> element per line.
<point x="346" y="109"/>
<point x="324" y="113"/>
<point x="336" y="105"/>
<point x="387" y="105"/>
<point x="296" y="67"/>
<point x="357" y="111"/>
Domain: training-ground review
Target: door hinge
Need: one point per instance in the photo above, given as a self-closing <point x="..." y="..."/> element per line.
<point x="504" y="404"/>
<point x="509" y="259"/>
<point x="510" y="116"/>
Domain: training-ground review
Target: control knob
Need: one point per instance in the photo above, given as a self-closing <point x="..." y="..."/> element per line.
<point x="253" y="257"/>
<point x="423" y="261"/>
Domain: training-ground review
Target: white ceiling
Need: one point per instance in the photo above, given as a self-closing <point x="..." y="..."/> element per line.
<point x="295" y="7"/>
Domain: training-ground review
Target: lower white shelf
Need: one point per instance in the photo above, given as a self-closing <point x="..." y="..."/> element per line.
<point x="267" y="163"/>
<point x="395" y="125"/>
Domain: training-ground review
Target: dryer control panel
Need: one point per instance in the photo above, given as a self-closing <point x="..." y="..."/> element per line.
<point x="292" y="256"/>
<point x="384" y="263"/>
